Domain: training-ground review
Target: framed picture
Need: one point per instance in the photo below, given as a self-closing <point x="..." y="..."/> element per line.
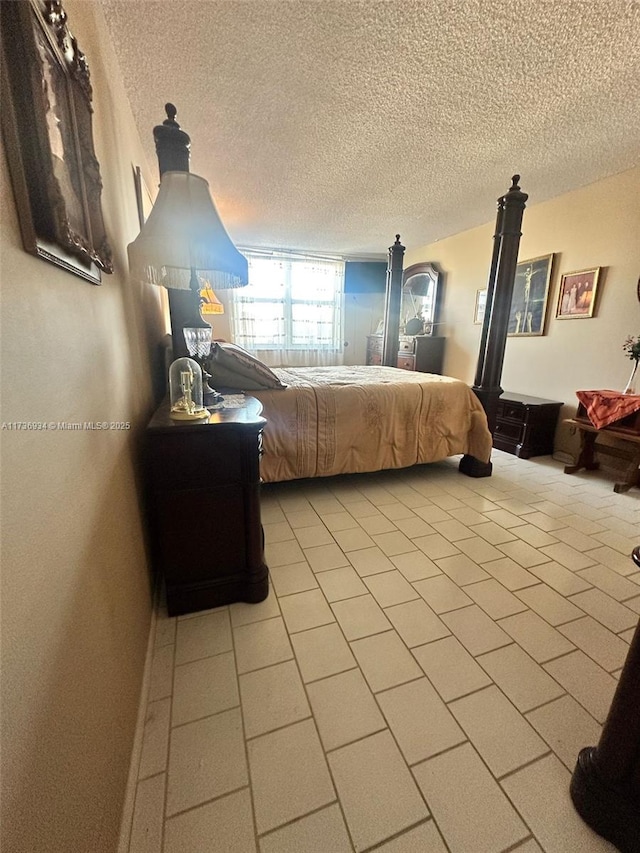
<point x="143" y="196"/>
<point x="530" y="294"/>
<point x="481" y="304"/>
<point x="47" y="128"/>
<point x="577" y="294"/>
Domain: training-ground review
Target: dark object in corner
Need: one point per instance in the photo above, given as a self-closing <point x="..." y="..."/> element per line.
<point x="605" y="786"/>
<point x="47" y="130"/>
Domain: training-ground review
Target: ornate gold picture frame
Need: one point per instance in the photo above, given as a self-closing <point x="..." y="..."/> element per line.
<point x="577" y="294"/>
<point x="47" y="130"/>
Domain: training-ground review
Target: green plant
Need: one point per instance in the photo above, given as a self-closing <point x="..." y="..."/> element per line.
<point x="632" y="348"/>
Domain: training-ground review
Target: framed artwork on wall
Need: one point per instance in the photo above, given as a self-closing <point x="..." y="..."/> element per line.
<point x="481" y="304"/>
<point x="47" y="129"/>
<point x="143" y="196"/>
<point x="530" y="293"/>
<point x="577" y="294"/>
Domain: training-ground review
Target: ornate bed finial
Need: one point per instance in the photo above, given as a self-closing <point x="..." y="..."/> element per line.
<point x="397" y="238"/>
<point x="171" y="112"/>
<point x="173" y="145"/>
<point x="514" y="194"/>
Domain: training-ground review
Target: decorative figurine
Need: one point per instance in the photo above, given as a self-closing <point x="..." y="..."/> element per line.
<point x="185" y="387"/>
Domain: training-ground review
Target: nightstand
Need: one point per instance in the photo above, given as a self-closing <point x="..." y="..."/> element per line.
<point x="203" y="506"/>
<point x="525" y="426"/>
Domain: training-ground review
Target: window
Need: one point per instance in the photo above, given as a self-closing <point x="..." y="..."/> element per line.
<point x="290" y="313"/>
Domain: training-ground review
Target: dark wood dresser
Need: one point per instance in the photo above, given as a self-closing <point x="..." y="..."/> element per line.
<point x="424" y="353"/>
<point x="525" y="426"/>
<point x="203" y="503"/>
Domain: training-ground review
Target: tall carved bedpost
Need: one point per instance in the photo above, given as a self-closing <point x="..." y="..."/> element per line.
<point x="605" y="786"/>
<point x="496" y="320"/>
<point x="392" y="304"/>
<point x="491" y="286"/>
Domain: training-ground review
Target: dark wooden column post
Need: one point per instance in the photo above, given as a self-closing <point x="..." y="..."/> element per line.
<point x="393" y="300"/>
<point x="605" y="786"/>
<point x="494" y="335"/>
<point x="491" y="286"/>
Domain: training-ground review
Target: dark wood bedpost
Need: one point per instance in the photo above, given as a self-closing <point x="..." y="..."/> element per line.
<point x="496" y="320"/>
<point x="392" y="304"/>
<point x="491" y="286"/>
<point x="605" y="786"/>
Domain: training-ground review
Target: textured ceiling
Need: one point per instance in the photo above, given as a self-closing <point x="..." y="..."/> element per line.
<point x="330" y="126"/>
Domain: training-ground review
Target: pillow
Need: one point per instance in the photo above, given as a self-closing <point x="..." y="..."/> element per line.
<point x="233" y="367"/>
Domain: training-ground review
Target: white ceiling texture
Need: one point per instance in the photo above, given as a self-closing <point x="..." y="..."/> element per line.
<point x="330" y="125"/>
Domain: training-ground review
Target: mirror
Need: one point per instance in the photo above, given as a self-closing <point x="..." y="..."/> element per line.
<point x="421" y="299"/>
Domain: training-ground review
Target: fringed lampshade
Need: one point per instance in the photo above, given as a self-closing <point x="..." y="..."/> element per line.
<point x="183" y="233"/>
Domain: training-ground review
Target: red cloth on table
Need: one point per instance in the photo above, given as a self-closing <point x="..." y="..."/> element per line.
<point x="607" y="407"/>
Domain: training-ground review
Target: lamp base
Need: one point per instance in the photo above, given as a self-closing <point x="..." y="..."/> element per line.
<point x="212" y="399"/>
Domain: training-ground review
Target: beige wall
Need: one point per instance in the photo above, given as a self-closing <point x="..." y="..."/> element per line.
<point x="596" y="226"/>
<point x="76" y="590"/>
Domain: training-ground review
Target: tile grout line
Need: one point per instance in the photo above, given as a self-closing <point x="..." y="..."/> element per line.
<point x="515" y="770"/>
<point x="242" y="723"/>
<point x="207" y="802"/>
<point x="513" y="848"/>
<point x="405" y="831"/>
<point x="317" y="731"/>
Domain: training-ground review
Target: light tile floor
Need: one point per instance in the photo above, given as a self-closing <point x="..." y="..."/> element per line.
<point x="434" y="652"/>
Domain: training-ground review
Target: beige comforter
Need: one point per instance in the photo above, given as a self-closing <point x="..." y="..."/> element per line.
<point x="346" y="420"/>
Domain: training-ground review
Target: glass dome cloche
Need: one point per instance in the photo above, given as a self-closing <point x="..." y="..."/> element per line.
<point x="185" y="388"/>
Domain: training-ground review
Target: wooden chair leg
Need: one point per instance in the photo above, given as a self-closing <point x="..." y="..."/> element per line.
<point x="587" y="458"/>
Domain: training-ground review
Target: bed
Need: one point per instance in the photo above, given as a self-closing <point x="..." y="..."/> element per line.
<point x="323" y="421"/>
<point x="347" y="420"/>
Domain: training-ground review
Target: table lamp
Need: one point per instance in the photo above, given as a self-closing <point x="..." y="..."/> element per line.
<point x="184" y="246"/>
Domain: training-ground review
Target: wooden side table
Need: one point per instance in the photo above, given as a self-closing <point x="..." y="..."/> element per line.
<point x="203" y="500"/>
<point x="625" y="445"/>
<point x="525" y="426"/>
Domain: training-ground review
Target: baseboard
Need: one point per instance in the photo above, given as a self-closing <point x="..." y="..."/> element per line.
<point x="136" y="749"/>
<point x="563" y="456"/>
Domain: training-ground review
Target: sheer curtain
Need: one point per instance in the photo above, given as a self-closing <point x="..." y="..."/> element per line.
<point x="290" y="313"/>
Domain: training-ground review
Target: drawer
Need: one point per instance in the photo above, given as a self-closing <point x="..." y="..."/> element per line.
<point x="508" y="430"/>
<point x="511" y="411"/>
<point x="374" y="358"/>
<point x="406" y="362"/>
<point x="406" y="346"/>
<point x="196" y="461"/>
<point x="374" y="345"/>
